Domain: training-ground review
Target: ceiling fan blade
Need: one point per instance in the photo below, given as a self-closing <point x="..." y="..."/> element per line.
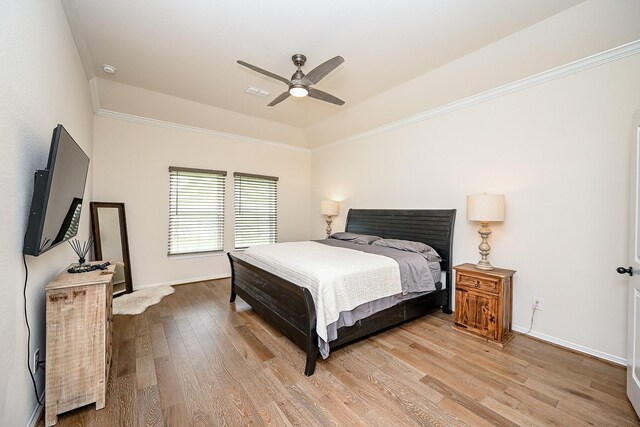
<point x="265" y="72"/>
<point x="324" y="96"/>
<point x="279" y="99"/>
<point x="315" y="75"/>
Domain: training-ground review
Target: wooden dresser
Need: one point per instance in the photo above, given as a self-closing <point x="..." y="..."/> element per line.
<point x="78" y="342"/>
<point x="484" y="300"/>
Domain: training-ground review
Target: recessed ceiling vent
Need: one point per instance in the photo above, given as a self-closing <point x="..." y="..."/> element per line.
<point x="257" y="92"/>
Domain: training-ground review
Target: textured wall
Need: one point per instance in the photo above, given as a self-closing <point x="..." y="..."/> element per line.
<point x="42" y="83"/>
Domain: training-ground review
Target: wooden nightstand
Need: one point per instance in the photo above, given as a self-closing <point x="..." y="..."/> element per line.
<point x="484" y="300"/>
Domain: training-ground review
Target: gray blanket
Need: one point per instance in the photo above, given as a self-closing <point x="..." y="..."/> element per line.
<point x="416" y="273"/>
<point x="418" y="277"/>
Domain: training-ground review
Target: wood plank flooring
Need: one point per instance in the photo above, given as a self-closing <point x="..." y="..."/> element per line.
<point x="196" y="360"/>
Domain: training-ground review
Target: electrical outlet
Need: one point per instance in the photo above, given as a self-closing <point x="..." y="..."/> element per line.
<point x="36" y="360"/>
<point x="537" y="304"/>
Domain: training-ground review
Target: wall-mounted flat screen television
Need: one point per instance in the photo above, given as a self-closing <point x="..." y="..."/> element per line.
<point x="57" y="195"/>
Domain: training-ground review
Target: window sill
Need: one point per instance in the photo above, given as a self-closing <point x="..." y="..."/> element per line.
<point x="175" y="257"/>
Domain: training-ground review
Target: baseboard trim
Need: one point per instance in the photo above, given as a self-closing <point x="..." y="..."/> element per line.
<point x="182" y="281"/>
<point x="35" y="416"/>
<point x="576" y="347"/>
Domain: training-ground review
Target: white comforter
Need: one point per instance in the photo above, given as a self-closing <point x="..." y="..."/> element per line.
<point x="339" y="279"/>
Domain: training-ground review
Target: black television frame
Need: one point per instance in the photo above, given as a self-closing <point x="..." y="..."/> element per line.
<point x="40" y="199"/>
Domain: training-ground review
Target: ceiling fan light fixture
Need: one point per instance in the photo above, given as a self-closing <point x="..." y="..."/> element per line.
<point x="300" y="84"/>
<point x="298" y="91"/>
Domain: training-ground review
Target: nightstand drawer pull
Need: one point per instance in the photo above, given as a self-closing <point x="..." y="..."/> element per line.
<point x="472" y="282"/>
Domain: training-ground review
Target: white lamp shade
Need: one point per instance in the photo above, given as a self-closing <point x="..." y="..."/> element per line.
<point x="329" y="208"/>
<point x="485" y="208"/>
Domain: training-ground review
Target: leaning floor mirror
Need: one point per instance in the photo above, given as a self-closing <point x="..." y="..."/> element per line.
<point x="109" y="225"/>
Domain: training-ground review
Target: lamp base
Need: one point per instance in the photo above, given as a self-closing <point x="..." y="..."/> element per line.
<point x="328" y="230"/>
<point x="484" y="247"/>
<point x="483" y="264"/>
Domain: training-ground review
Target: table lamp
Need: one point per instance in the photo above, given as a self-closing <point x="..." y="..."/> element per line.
<point x="485" y="208"/>
<point x="329" y="208"/>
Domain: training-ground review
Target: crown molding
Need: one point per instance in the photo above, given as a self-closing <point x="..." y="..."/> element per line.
<point x="580" y="65"/>
<point x="100" y="112"/>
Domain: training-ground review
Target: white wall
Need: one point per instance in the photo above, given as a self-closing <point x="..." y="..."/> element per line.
<point x="559" y="151"/>
<point x="586" y="29"/>
<point x="42" y="83"/>
<point x="132" y="167"/>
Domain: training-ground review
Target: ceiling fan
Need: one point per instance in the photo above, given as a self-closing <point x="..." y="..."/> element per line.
<point x="300" y="84"/>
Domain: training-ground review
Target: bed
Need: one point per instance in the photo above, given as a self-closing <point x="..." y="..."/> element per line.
<point x="291" y="308"/>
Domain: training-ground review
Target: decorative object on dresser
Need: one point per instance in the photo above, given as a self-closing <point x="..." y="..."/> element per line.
<point x="485" y="208"/>
<point x="329" y="208"/>
<point x="484" y="301"/>
<point x="79" y="328"/>
<point x="109" y="226"/>
<point x="81" y="249"/>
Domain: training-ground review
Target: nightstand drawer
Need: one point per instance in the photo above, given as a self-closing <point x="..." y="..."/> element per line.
<point x="486" y="285"/>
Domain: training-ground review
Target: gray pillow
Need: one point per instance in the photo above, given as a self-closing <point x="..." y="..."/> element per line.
<point x="361" y="239"/>
<point x="407" y="245"/>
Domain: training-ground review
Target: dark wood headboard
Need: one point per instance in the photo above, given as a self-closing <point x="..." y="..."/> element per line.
<point x="431" y="226"/>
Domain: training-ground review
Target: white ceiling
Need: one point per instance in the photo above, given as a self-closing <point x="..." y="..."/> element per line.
<point x="189" y="48"/>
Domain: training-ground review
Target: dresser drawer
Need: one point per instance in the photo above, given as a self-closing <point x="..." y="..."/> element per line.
<point x="484" y="284"/>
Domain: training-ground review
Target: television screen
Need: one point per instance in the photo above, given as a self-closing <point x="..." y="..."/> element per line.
<point x="57" y="196"/>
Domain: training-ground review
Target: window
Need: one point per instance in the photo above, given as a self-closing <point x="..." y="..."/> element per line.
<point x="196" y="210"/>
<point x="255" y="209"/>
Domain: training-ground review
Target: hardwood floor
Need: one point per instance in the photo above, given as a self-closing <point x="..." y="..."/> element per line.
<point x="194" y="359"/>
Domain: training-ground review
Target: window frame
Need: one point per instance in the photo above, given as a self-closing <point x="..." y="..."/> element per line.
<point x="236" y="205"/>
<point x="221" y="197"/>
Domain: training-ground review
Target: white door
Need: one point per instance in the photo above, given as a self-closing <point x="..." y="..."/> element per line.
<point x="633" y="269"/>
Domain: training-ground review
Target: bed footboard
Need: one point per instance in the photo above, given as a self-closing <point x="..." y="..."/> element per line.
<point x="284" y="305"/>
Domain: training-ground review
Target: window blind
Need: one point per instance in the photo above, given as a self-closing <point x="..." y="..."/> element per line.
<point x="196" y="210"/>
<point x="256" y="209"/>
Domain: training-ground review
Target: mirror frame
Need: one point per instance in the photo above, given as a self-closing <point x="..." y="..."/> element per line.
<point x="124" y="239"/>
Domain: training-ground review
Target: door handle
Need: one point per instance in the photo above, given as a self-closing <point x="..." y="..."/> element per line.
<point x="622" y="270"/>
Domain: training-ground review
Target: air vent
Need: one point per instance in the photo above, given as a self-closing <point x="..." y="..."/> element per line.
<point x="257" y="92"/>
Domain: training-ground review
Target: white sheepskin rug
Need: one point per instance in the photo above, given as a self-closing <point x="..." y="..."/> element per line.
<point x="138" y="301"/>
